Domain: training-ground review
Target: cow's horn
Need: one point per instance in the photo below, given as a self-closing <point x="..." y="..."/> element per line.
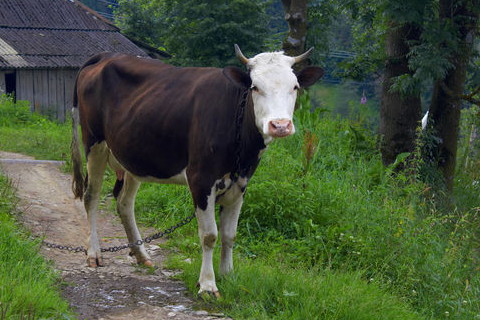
<point x="303" y="56"/>
<point x="240" y="55"/>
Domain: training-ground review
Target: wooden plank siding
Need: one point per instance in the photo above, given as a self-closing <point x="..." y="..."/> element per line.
<point x="50" y="91"/>
<point x="52" y="104"/>
<point x="24" y="87"/>
<point x="70" y="77"/>
<point x="59" y="94"/>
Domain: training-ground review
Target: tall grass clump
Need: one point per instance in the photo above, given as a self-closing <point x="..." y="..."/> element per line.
<point x="29" y="289"/>
<point x="28" y="132"/>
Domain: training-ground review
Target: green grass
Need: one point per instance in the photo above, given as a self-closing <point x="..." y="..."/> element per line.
<point x="30" y="133"/>
<point x="263" y="289"/>
<point x="29" y="289"/>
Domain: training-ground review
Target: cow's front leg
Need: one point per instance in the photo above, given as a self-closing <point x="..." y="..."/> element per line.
<point x="207" y="231"/>
<point x="229" y="214"/>
<point x="126" y="208"/>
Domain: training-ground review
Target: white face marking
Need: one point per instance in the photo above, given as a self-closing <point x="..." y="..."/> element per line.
<point x="273" y="91"/>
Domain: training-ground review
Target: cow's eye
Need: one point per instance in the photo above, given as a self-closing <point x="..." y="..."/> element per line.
<point x="254" y="88"/>
<point x="296" y="88"/>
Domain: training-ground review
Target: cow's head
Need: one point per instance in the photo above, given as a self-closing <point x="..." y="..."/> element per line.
<point x="274" y="88"/>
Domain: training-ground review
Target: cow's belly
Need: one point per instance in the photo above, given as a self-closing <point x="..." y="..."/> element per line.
<point x="179" y="178"/>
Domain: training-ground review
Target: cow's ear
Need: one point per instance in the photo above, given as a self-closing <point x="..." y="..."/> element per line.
<point x="237" y="76"/>
<point x="309" y="76"/>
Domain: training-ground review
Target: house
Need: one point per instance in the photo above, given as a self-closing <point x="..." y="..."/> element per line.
<point x="43" y="43"/>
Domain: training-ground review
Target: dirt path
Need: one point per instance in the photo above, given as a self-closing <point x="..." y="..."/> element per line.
<point x="120" y="290"/>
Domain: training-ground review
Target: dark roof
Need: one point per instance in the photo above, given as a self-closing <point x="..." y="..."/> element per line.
<point x="55" y="33"/>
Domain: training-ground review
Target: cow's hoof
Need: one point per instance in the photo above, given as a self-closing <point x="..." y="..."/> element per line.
<point x="95" y="262"/>
<point x="147" y="263"/>
<point x="209" y="295"/>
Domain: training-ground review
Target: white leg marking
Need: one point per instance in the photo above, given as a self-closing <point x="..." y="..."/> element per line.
<point x="228" y="230"/>
<point x="207" y="231"/>
<point x="96" y="165"/>
<point x="126" y="208"/>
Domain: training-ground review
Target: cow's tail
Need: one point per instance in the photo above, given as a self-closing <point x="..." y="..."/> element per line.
<point x="79" y="181"/>
<point x="78" y="184"/>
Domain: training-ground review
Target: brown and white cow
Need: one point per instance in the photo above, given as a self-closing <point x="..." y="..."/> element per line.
<point x="154" y="122"/>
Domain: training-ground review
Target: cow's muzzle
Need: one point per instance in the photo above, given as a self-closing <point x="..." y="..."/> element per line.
<point x="280" y="128"/>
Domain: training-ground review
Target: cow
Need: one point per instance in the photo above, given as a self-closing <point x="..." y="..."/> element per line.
<point x="197" y="126"/>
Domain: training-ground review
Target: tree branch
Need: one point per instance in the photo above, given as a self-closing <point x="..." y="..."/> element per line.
<point x="471" y="100"/>
<point x="467" y="97"/>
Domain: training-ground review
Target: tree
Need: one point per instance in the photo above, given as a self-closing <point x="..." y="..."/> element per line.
<point x="428" y="43"/>
<point x="200" y="33"/>
<point x="142" y="20"/>
<point x="461" y="19"/>
<point x="399" y="112"/>
<point x="296" y="16"/>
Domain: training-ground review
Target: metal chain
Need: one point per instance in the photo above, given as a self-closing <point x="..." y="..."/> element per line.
<point x="238" y="135"/>
<point x="124" y="246"/>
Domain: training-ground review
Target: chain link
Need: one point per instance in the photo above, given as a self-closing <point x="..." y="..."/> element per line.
<point x="148" y="239"/>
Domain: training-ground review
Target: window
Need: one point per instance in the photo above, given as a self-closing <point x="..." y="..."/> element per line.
<point x="11" y="83"/>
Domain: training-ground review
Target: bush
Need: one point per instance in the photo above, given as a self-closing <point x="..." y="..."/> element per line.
<point x="24" y="131"/>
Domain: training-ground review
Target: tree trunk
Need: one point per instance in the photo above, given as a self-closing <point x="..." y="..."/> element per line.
<point x="399" y="115"/>
<point x="296" y="16"/>
<point x="446" y="102"/>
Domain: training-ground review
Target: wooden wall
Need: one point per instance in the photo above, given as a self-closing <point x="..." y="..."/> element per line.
<point x="50" y="91"/>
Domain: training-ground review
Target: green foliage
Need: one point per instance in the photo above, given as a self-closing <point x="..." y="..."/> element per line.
<point x="431" y="56"/>
<point x="197" y="33"/>
<point x="141" y="19"/>
<point x="368" y="33"/>
<point x="28" y="286"/>
<point x="468" y="166"/>
<point x="24" y="131"/>
<point x="13" y="114"/>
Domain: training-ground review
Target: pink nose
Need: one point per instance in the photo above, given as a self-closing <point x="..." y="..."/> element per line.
<point x="280" y="128"/>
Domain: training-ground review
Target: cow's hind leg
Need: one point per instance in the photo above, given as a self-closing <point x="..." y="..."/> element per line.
<point x="125" y="208"/>
<point x="96" y="165"/>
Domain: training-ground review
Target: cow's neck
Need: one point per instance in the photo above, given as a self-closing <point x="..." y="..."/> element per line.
<point x="251" y="143"/>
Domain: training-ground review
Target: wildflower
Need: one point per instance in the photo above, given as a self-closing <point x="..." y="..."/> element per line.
<point x="363" y="100"/>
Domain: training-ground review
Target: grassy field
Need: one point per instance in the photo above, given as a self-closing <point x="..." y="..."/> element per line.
<point x="326" y="232"/>
<point x="29" y="289"/>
